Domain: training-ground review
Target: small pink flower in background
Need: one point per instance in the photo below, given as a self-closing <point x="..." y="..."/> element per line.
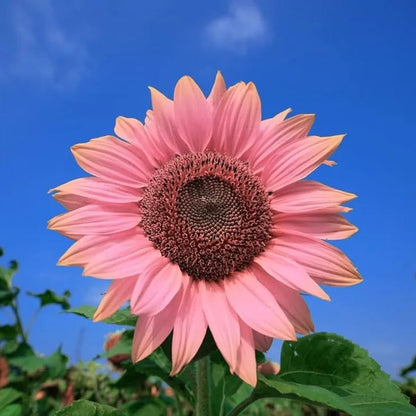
<point x="203" y="220"/>
<point x="268" y="367"/>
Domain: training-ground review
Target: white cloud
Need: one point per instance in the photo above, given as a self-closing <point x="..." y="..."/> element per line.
<point x="42" y="49"/>
<point x="242" y="26"/>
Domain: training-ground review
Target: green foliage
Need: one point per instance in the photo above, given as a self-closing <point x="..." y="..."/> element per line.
<point x="410" y="368"/>
<point x="8" y="396"/>
<point x="8" y="332"/>
<point x="326" y="369"/>
<point x="25" y="359"/>
<point x="121" y="317"/>
<point x="48" y="297"/>
<point x="87" y="408"/>
<point x="318" y="372"/>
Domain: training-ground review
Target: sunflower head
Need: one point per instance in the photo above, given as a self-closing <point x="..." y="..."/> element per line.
<point x="203" y="219"/>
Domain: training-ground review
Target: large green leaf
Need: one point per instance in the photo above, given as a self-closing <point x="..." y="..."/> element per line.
<point x="88" y="408"/>
<point x="14" y="409"/>
<point x="328" y="370"/>
<point x="121" y="317"/>
<point x="145" y="407"/>
<point x="48" y="297"/>
<point x="7" y="396"/>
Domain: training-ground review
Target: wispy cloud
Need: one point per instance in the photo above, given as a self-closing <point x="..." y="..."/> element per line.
<point x="243" y="26"/>
<point x="42" y="49"/>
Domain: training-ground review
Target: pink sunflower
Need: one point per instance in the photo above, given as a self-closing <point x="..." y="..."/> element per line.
<point x="203" y="220"/>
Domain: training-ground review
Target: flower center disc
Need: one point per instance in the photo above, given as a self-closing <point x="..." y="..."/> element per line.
<point x="208" y="213"/>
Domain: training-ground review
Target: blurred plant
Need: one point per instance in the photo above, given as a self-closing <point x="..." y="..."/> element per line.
<point x="409" y="385"/>
<point x="318" y="373"/>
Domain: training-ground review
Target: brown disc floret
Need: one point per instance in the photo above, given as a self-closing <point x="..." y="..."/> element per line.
<point x="208" y="213"/>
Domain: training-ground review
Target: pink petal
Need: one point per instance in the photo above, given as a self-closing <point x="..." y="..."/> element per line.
<point x="288" y="272"/>
<point x="324" y="223"/>
<point x="96" y="219"/>
<point x="222" y="320"/>
<point x="236" y="119"/>
<point x="117" y="294"/>
<point x="126" y="256"/>
<point x="71" y="202"/>
<point x="113" y="160"/>
<point x="297" y="160"/>
<point x="257" y="307"/>
<point x="86" y="247"/>
<point x="156" y="287"/>
<point x="192" y="114"/>
<point x="134" y="132"/>
<point x="157" y="153"/>
<point x="262" y="342"/>
<point x="100" y="190"/>
<point x="164" y="123"/>
<point x="269" y="124"/>
<point x="217" y="91"/>
<point x="246" y="367"/>
<point x="280" y="134"/>
<point x="130" y="129"/>
<point x="290" y="300"/>
<point x="151" y="331"/>
<point x="308" y="196"/>
<point x="189" y="329"/>
<point x="324" y="262"/>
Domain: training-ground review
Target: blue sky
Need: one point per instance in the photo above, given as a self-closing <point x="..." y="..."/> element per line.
<point x="67" y="69"/>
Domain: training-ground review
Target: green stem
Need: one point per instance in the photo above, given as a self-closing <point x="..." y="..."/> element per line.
<point x="32" y="321"/>
<point x="189" y="369"/>
<point x="202" y="387"/>
<point x="18" y="321"/>
<point x="179" y="403"/>
<point x="241" y="406"/>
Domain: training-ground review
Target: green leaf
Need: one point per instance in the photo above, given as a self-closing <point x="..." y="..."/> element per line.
<point x="8" y="332"/>
<point x="408" y="369"/>
<point x="7" y="295"/>
<point x="121" y="317"/>
<point x="145" y="407"/>
<point x="10" y="347"/>
<point x="7" y="396"/>
<point x="48" y="297"/>
<point x="328" y="370"/>
<point x="56" y="364"/>
<point x="157" y="364"/>
<point x="88" y="408"/>
<point x="12" y="410"/>
<point x="223" y="384"/>
<point x="7" y="274"/>
<point x="25" y="358"/>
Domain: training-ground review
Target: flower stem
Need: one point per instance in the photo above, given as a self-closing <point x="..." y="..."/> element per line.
<point x="241" y="406"/>
<point x="202" y="387"/>
<point x="15" y="309"/>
